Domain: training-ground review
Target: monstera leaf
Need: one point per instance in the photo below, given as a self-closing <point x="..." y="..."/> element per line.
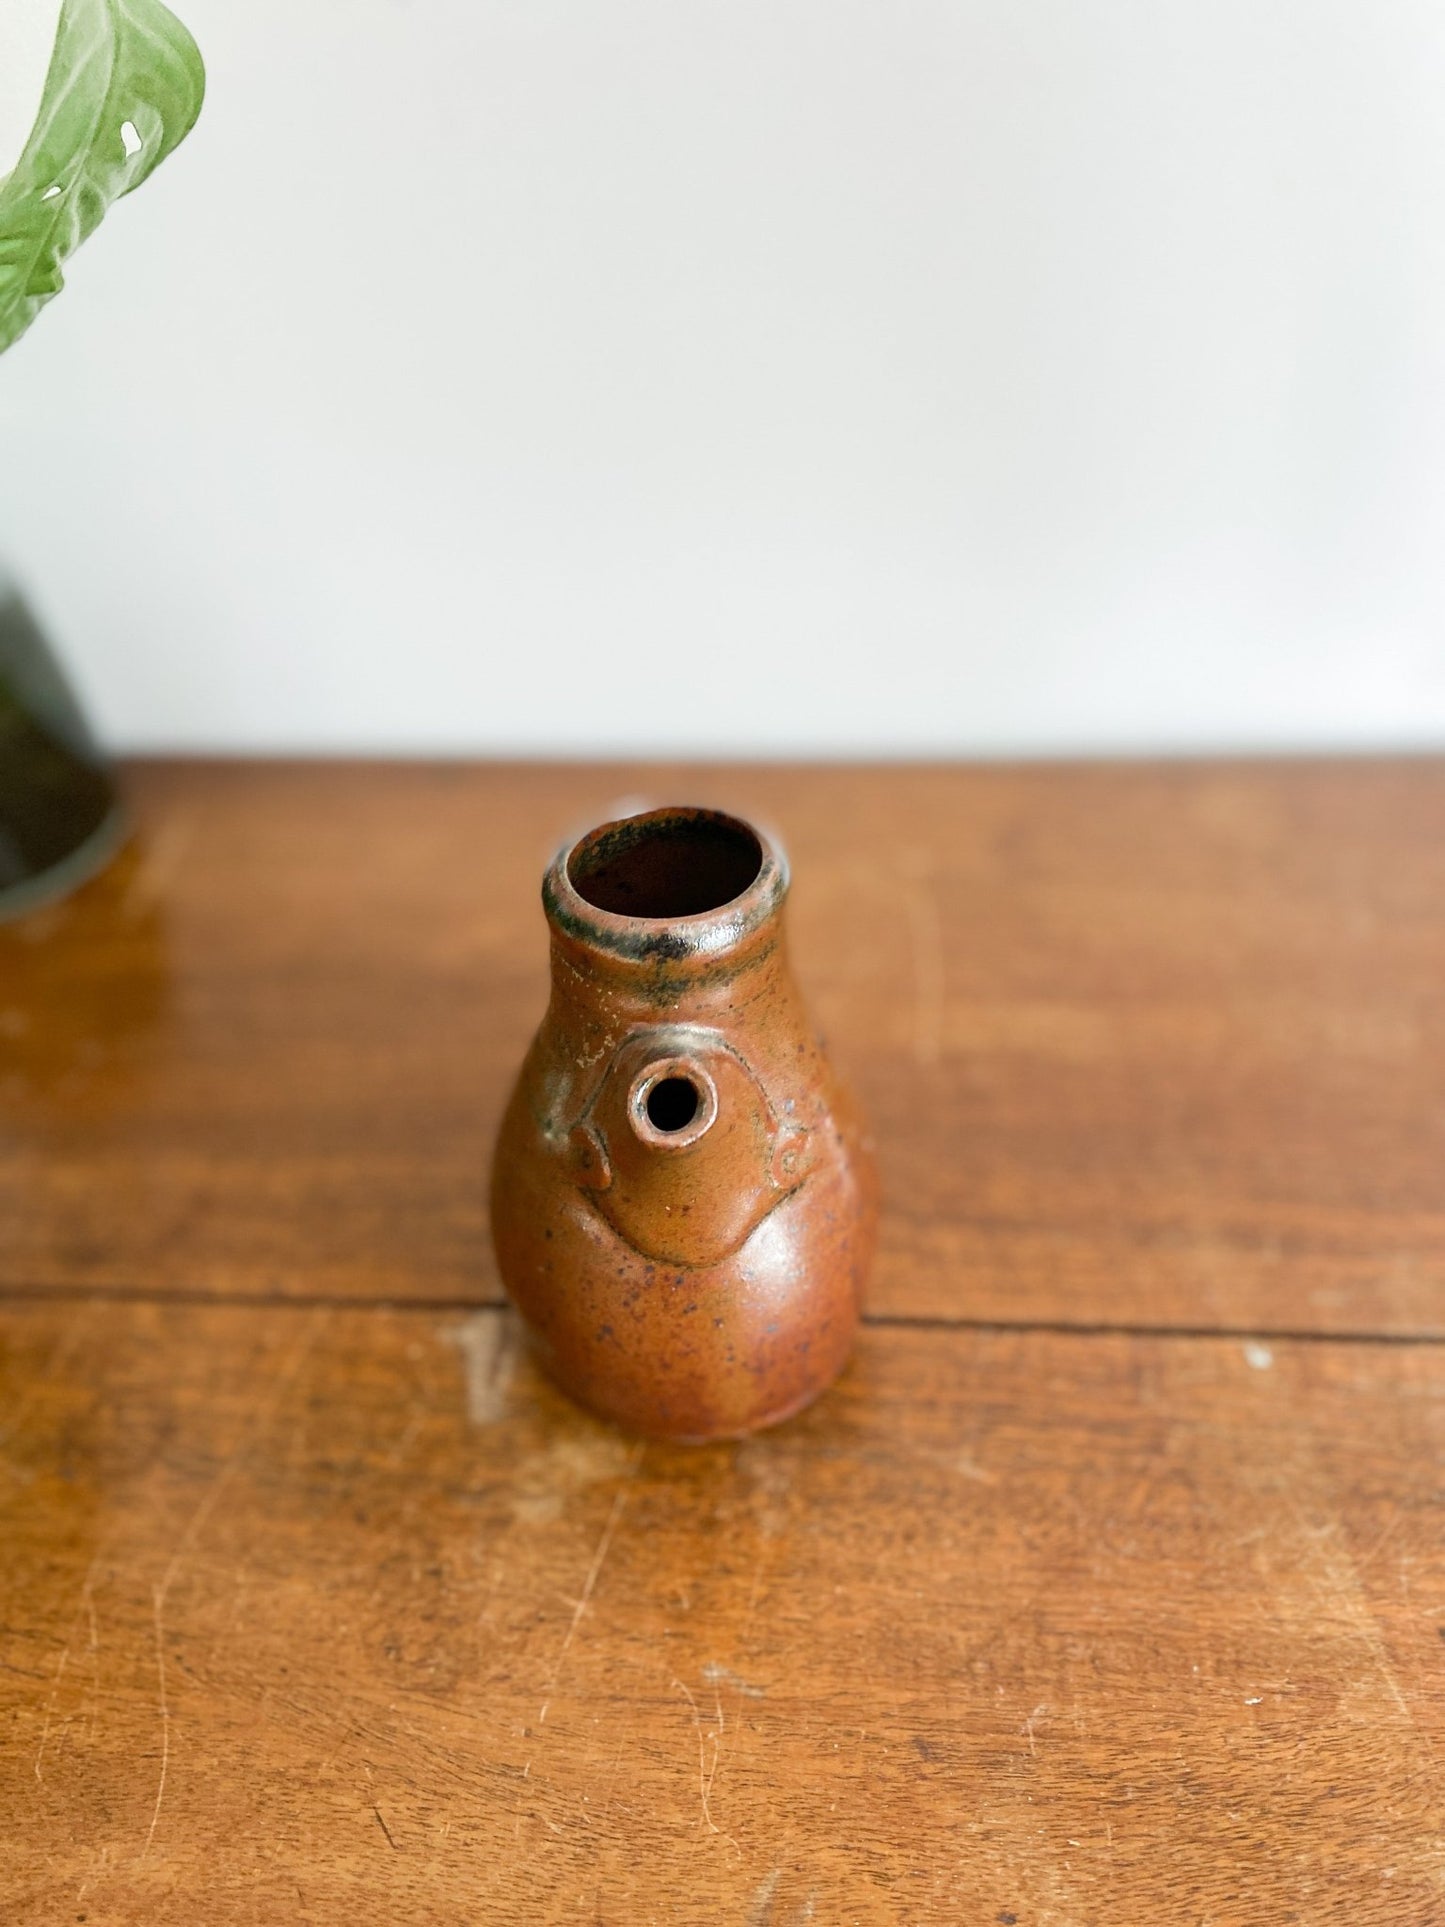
<point x="124" y="87"/>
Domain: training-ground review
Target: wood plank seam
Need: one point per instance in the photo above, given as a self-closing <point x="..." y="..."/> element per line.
<point x="871" y="1321"/>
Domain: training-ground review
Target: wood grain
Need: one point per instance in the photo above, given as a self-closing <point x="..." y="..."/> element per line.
<point x="329" y="1615"/>
<point x="1145" y="1045"/>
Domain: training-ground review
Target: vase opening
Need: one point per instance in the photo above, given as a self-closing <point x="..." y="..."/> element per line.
<point x="670" y="863"/>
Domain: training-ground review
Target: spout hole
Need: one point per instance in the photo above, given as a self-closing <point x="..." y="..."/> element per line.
<point x="672" y="1104"/>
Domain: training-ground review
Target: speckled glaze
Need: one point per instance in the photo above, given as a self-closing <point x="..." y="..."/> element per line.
<point x="683" y="1198"/>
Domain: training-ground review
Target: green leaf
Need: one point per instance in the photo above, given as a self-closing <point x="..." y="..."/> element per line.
<point x="125" y="86"/>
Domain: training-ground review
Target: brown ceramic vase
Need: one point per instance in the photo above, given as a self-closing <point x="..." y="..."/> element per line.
<point x="683" y="1199"/>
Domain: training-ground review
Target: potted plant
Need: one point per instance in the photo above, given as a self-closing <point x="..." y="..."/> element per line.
<point x="123" y="88"/>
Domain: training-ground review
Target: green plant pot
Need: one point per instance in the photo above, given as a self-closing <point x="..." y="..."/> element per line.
<point x="60" y="812"/>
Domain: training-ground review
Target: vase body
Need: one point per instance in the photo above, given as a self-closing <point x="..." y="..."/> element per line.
<point x="683" y="1197"/>
<point x="60" y="816"/>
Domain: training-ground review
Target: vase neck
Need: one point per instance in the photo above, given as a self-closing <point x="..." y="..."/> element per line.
<point x="655" y="906"/>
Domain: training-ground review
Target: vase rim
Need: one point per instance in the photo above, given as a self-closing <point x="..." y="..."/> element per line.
<point x="643" y="860"/>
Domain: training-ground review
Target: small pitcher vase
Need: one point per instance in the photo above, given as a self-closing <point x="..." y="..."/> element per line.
<point x="683" y="1196"/>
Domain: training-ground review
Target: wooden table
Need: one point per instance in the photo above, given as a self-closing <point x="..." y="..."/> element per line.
<point x="1109" y="1585"/>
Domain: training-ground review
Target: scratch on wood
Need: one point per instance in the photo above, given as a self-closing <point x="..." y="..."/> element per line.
<point x="101" y="1863"/>
<point x="971" y="1469"/>
<point x="760" y="1566"/>
<point x="588" y="1584"/>
<point x="49" y="1709"/>
<point x="88" y="1605"/>
<point x="608" y="1790"/>
<point x="385" y="1828"/>
<point x="1335" y="1578"/>
<point x="716" y="1675"/>
<point x="213" y="1493"/>
<point x="1365" y="1560"/>
<point x="760" y="1914"/>
<point x="488" y="1342"/>
<point x="93" y="1649"/>
<point x="202" y="1513"/>
<point x="159" y="1600"/>
<point x="408" y="1438"/>
<point x="704" y="1777"/>
<point x="707" y="1774"/>
<point x="1027" y="1729"/>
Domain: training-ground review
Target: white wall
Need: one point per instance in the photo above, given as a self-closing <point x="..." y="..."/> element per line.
<point x="820" y="375"/>
<point x="27" y="33"/>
